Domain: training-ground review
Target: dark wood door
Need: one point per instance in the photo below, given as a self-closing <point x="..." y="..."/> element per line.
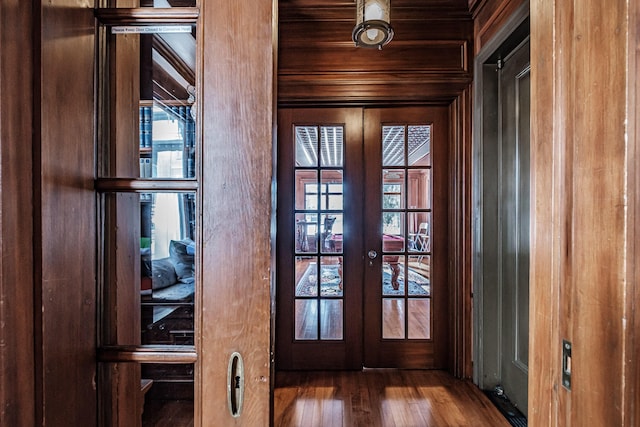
<point x="405" y="237"/>
<point x="350" y="179"/>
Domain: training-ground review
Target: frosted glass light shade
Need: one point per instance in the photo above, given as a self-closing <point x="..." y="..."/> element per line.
<point x="373" y="28"/>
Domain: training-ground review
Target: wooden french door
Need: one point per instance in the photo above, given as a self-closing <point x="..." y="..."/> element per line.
<point x="362" y="224"/>
<point x="405" y="237"/>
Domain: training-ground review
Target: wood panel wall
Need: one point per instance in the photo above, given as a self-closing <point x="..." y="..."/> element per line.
<point x="584" y="269"/>
<point x="65" y="237"/>
<point x="489" y="16"/>
<point x="17" y="405"/>
<point x="429" y="58"/>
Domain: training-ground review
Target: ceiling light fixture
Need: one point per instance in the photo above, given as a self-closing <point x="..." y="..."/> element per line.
<point x="373" y="28"/>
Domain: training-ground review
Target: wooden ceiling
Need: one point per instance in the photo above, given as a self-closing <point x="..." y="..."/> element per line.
<point x="400" y="9"/>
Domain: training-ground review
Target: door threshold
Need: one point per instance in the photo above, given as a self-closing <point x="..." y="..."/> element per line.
<point x="506" y="408"/>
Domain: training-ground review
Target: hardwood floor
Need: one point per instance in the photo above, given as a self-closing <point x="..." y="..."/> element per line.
<point x="380" y="398"/>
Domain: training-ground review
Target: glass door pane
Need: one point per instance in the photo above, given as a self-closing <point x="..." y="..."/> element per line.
<point x="319" y="219"/>
<point x="406" y="195"/>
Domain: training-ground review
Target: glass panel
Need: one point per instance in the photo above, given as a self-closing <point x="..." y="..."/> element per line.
<point x="331" y="319"/>
<point x="419" y="311"/>
<point x="306" y="233"/>
<point x="167" y="141"/>
<point x="166" y="3"/>
<point x="331" y="237"/>
<point x="167" y="137"/>
<point x="393" y="318"/>
<point x="419" y="270"/>
<point x="419" y="142"/>
<point x="393" y="189"/>
<point x="419" y="189"/>
<point x="167" y="250"/>
<point x="172" y="387"/>
<point x="419" y="228"/>
<point x="306" y="319"/>
<point x="306" y="146"/>
<point x="306" y="277"/>
<point x="331" y="276"/>
<point x="331" y="192"/>
<point x="393" y="231"/>
<point x="332" y="146"/>
<point x="393" y="145"/>
<point x="393" y="275"/>
<point x="306" y="189"/>
<point x="163" y="128"/>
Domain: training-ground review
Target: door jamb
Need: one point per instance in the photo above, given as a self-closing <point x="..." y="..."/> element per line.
<point x="485" y="133"/>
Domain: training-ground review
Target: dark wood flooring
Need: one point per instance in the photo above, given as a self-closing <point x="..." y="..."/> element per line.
<point x="380" y="398"/>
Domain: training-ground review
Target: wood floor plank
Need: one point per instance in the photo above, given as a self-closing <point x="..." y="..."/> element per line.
<point x="380" y="398"/>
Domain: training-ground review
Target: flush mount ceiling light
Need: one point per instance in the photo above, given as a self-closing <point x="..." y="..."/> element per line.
<point x="372" y="23"/>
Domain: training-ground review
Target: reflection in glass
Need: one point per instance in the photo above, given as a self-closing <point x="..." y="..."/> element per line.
<point x="419" y="145"/>
<point x="331" y="320"/>
<point x="419" y="189"/>
<point x="166" y="3"/>
<point x="306" y="277"/>
<point x="306" y="189"/>
<point x="167" y="110"/>
<point x="167" y="249"/>
<point x="167" y="141"/>
<point x="331" y="276"/>
<point x="331" y="237"/>
<point x="306" y="324"/>
<point x="306" y="146"/>
<point x="393" y="145"/>
<point x="393" y="318"/>
<point x="306" y="232"/>
<point x="419" y="273"/>
<point x="392" y="275"/>
<point x="332" y="191"/>
<point x="332" y="144"/>
<point x="393" y="231"/>
<point x="419" y="228"/>
<point x="419" y="311"/>
<point x="393" y="189"/>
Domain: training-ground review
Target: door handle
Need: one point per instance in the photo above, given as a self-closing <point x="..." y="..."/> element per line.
<point x="235" y="384"/>
<point x="372" y="254"/>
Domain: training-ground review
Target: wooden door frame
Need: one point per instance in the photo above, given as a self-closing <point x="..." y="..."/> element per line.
<point x="486" y="342"/>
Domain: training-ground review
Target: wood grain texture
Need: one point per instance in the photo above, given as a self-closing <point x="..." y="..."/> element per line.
<point x="237" y="90"/>
<point x="17" y="393"/>
<point x="380" y="398"/>
<point x="489" y="16"/>
<point x="429" y="56"/>
<point x="583" y="212"/>
<point x="65" y="199"/>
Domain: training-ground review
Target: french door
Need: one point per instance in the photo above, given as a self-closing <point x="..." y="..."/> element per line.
<point x="362" y="238"/>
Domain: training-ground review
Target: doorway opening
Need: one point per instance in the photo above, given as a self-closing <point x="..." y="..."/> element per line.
<point x="501" y="213"/>
<point x="362" y="245"/>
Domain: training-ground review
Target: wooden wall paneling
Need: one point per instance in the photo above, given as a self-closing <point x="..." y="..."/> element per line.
<point x="17" y="393"/>
<point x="632" y="380"/>
<point x="582" y="221"/>
<point x="65" y="246"/>
<point x="489" y="16"/>
<point x="237" y="120"/>
<point x="428" y="58"/>
<point x="546" y="231"/>
<point x="461" y="303"/>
